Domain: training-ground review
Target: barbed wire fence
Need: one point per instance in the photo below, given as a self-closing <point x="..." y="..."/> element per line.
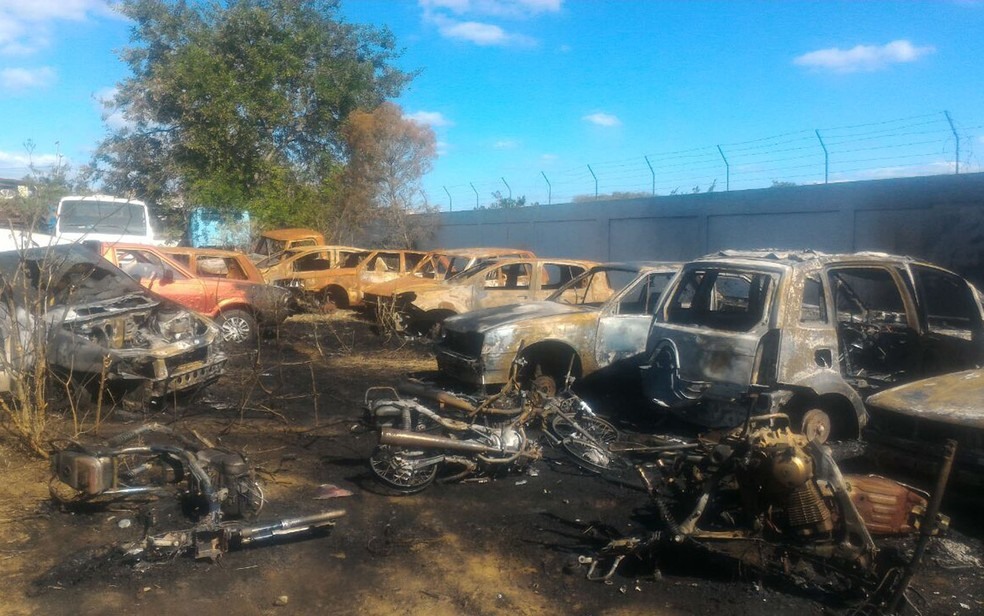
<point x="929" y="144"/>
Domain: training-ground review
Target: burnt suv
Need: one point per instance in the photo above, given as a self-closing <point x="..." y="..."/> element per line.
<point x="813" y="333"/>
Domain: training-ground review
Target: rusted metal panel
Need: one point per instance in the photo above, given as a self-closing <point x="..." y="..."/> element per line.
<point x="956" y="399"/>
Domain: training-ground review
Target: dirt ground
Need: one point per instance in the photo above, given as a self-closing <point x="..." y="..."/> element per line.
<point x="507" y="546"/>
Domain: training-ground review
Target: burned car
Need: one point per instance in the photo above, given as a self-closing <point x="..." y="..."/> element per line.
<point x="819" y="332"/>
<point x="596" y="320"/>
<point x="910" y="423"/>
<point x="435" y="265"/>
<point x="495" y="282"/>
<point x="92" y="325"/>
<point x="241" y="307"/>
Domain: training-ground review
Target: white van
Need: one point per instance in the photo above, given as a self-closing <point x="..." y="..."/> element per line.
<point x="103" y="218"/>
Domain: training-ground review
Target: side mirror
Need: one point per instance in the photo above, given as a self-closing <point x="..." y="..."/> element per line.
<point x="167" y="277"/>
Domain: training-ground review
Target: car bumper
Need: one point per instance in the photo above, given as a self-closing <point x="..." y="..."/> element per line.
<point x="487" y="370"/>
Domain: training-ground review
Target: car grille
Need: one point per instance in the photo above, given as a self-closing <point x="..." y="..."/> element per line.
<point x="178" y="362"/>
<point x="468" y="344"/>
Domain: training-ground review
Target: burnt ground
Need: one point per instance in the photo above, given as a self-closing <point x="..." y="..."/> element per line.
<point x="506" y="546"/>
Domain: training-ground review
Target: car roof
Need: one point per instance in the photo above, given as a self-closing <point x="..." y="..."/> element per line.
<point x="802" y="258"/>
<point x="638" y="266"/>
<point x="207" y="252"/>
<point x="289" y="234"/>
<point x="477" y="251"/>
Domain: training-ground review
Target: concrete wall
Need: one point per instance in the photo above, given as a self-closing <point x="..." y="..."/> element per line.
<point x="938" y="218"/>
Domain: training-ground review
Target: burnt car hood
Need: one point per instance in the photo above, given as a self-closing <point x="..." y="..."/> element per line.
<point x="389" y="288"/>
<point x="956" y="398"/>
<point x="417" y="285"/>
<point x="486" y="319"/>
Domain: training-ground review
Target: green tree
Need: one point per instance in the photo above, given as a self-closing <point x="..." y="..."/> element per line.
<point x="240" y="103"/>
<point x="500" y="202"/>
<point x="612" y="196"/>
<point x="387" y="156"/>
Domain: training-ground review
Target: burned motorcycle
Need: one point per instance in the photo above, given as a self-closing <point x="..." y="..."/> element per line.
<point x="776" y="503"/>
<point x="215" y="482"/>
<point x="473" y="436"/>
<point x="211" y="483"/>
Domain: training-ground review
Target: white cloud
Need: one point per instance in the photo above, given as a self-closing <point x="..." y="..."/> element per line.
<point x="602" y="119"/>
<point x="469" y="20"/>
<point x="548" y="158"/>
<point x="430" y="118"/>
<point x="25" y="25"/>
<point x="512" y="9"/>
<point x="19" y="165"/>
<point x="21" y="79"/>
<point x="442" y="147"/>
<point x="505" y="144"/>
<point x="483" y="34"/>
<point x="865" y="58"/>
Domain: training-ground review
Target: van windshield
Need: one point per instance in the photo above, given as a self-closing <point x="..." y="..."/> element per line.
<point x="102" y="216"/>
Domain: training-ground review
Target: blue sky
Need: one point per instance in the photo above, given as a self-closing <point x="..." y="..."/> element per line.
<point x="533" y="96"/>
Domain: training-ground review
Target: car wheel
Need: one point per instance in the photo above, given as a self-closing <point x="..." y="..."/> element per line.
<point x="815" y="425"/>
<point x="237" y="327"/>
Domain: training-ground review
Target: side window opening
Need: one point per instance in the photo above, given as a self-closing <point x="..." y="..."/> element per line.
<point x="948" y="302"/>
<point x="729" y="300"/>
<point x="509" y="277"/>
<point x="873" y="331"/>
<point x="814" y="304"/>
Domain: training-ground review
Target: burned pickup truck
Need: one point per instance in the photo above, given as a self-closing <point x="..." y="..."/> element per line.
<point x="818" y="332"/>
<point x="93" y="325"/>
<point x="600" y="318"/>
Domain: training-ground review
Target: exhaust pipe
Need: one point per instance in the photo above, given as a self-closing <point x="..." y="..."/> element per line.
<point x="416" y="440"/>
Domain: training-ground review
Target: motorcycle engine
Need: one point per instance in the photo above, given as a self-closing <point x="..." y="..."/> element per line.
<point x="782" y="486"/>
<point x="511" y="439"/>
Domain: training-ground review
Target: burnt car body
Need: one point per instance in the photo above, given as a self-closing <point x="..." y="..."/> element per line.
<point x="816" y="332"/>
<point x="910" y="424"/>
<point x="277" y="240"/>
<point x="307" y="271"/>
<point x="99" y="326"/>
<point x="435" y="265"/>
<point x="594" y="321"/>
<point x="496" y="282"/>
<point x="242" y="308"/>
<point x="215" y="263"/>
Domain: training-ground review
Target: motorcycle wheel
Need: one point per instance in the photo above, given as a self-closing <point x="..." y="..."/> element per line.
<point x="392" y="466"/>
<point x="592" y="456"/>
<point x="598" y="428"/>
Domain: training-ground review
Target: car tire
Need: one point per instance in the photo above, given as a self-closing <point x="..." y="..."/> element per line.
<point x="237" y="327"/>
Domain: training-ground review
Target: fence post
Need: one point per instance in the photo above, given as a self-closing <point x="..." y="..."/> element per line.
<point x="956" y="137"/>
<point x="826" y="157"/>
<point x="595" y="180"/>
<point x="651" y="173"/>
<point x="727" y="171"/>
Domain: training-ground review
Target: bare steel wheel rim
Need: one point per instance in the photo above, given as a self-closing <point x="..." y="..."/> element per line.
<point x="816" y="425"/>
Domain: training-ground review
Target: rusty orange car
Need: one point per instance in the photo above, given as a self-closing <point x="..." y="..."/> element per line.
<point x="241" y="308"/>
<point x="214" y="263"/>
